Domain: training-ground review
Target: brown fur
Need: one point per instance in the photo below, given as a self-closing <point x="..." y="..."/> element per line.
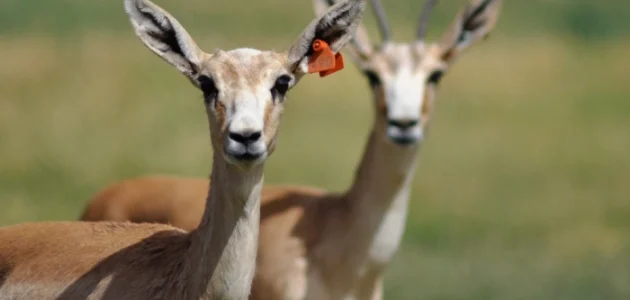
<point x="313" y="244"/>
<point x="291" y="217"/>
<point x="101" y="267"/>
<point x="216" y="260"/>
<point x="148" y="200"/>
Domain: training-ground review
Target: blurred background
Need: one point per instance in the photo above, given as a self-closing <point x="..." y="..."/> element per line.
<point x="523" y="185"/>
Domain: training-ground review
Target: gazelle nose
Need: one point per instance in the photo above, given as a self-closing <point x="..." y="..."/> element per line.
<point x="403" y="123"/>
<point x="245" y="137"/>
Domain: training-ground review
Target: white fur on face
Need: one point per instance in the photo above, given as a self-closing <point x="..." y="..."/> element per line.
<point x="246" y="116"/>
<point x="404" y="97"/>
<point x="404" y="70"/>
<point x="244" y="78"/>
<point x="404" y="84"/>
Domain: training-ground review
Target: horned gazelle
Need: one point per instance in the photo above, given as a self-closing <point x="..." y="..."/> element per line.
<point x="244" y="92"/>
<point x="318" y="245"/>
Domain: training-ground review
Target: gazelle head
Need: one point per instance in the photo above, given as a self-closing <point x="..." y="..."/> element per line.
<point x="243" y="89"/>
<point x="404" y="76"/>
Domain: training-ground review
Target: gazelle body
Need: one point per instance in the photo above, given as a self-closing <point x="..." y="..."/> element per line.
<point x="244" y="92"/>
<point x="317" y="245"/>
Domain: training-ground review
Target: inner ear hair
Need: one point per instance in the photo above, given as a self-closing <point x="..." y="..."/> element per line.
<point x="169" y="38"/>
<point x="165" y="36"/>
<point x="474" y="20"/>
<point x="336" y="27"/>
<point x="333" y="27"/>
<point x="473" y="23"/>
<point x="360" y="46"/>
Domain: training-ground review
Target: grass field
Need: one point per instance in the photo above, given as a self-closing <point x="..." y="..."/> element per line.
<point x="522" y="190"/>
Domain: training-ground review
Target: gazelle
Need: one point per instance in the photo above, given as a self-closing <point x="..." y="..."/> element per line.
<point x="244" y="92"/>
<point x="314" y="244"/>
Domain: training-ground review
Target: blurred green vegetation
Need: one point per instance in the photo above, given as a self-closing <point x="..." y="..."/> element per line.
<point x="585" y="19"/>
<point x="522" y="190"/>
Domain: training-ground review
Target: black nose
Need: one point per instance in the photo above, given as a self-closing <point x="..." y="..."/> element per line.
<point x="245" y="137"/>
<point x="403" y="124"/>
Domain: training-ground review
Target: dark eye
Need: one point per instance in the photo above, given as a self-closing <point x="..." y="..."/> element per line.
<point x="281" y="87"/>
<point x="208" y="87"/>
<point x="435" y="77"/>
<point x="373" y="78"/>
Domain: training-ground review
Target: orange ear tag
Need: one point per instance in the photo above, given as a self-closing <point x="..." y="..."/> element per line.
<point x="324" y="60"/>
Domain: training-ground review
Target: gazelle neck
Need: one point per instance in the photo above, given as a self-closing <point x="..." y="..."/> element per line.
<point x="223" y="248"/>
<point x="378" y="199"/>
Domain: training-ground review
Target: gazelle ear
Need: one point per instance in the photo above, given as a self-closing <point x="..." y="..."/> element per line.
<point x="472" y="24"/>
<point x="360" y="46"/>
<point x="335" y="27"/>
<point x="163" y="34"/>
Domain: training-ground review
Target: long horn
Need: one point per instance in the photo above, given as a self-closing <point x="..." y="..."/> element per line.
<point x="382" y="20"/>
<point x="423" y="24"/>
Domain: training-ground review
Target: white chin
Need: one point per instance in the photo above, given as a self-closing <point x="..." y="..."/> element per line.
<point x="405" y="137"/>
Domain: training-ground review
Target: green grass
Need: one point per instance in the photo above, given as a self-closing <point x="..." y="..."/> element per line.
<point x="521" y="191"/>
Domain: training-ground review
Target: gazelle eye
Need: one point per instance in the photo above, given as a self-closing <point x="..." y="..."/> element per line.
<point x="281" y="86"/>
<point x="435" y="77"/>
<point x="372" y="78"/>
<point x="208" y="87"/>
